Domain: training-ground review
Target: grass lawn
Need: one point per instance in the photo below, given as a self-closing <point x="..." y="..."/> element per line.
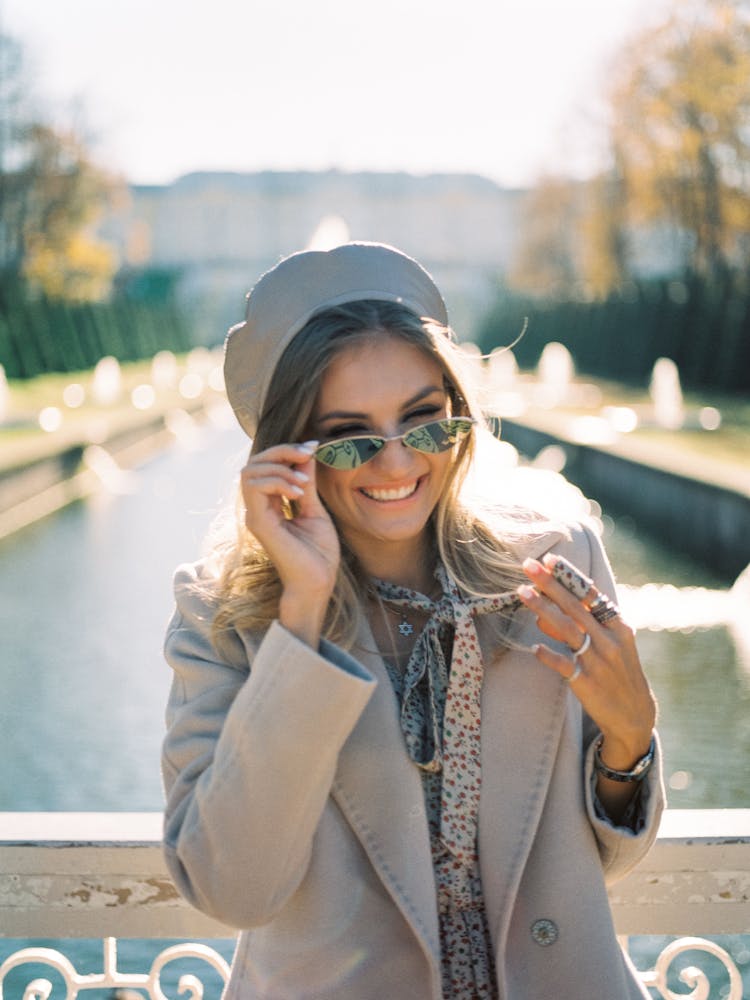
<point x="588" y="410"/>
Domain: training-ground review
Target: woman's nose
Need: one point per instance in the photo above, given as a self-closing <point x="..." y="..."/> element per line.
<point x="394" y="457"/>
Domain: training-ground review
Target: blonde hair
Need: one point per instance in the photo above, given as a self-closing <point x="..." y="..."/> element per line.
<point x="473" y="546"/>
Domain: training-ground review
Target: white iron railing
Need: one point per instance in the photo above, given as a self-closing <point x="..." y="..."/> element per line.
<point x="101" y="875"/>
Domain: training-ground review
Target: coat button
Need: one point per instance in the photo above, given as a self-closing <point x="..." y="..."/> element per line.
<point x="544" y="932"/>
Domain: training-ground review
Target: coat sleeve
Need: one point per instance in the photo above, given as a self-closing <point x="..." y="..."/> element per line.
<point x="620" y="847"/>
<point x="252" y="744"/>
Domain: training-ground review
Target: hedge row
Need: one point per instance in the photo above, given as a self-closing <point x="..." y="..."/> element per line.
<point x="38" y="335"/>
<point x="704" y="328"/>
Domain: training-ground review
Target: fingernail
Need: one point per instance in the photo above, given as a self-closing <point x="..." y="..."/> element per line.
<point x="532" y="566"/>
<point x="526" y="591"/>
<point x="296" y="491"/>
<point x="308" y="446"/>
<point x="301" y="477"/>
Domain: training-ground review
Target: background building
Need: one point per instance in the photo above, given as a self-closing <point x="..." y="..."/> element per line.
<point x="219" y="231"/>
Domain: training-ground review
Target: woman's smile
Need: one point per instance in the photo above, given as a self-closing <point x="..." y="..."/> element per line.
<point x="391" y="494"/>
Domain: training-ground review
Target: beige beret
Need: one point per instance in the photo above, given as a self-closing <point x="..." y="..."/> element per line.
<point x="288" y="295"/>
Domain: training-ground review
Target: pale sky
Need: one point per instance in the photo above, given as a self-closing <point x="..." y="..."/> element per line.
<point x="505" y="89"/>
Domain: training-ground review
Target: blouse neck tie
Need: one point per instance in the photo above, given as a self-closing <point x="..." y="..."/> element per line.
<point x="447" y="740"/>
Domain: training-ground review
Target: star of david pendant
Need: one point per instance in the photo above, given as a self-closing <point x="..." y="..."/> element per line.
<point x="405" y="628"/>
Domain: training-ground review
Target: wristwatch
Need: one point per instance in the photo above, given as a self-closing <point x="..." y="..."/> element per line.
<point x="638" y="771"/>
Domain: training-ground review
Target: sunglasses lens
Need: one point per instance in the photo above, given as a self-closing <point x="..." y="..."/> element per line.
<point x="437" y="436"/>
<point x="440" y="435"/>
<point x="349" y="452"/>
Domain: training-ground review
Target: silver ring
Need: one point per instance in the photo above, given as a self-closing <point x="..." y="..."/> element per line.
<point x="604" y="609"/>
<point x="582" y="648"/>
<point x="576" y="673"/>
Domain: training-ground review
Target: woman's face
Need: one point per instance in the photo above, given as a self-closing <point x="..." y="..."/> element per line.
<point x="381" y="386"/>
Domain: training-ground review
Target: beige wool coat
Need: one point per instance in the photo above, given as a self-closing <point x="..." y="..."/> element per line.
<point x="294" y="813"/>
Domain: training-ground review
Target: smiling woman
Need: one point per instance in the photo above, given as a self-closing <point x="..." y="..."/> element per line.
<point x="409" y="736"/>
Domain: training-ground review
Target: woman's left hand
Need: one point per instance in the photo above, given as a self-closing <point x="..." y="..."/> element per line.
<point x="606" y="676"/>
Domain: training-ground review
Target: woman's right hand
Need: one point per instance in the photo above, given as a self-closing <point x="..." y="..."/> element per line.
<point x="304" y="549"/>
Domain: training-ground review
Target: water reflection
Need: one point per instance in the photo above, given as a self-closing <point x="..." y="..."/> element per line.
<point x="705" y="711"/>
<point x="85" y="596"/>
<point x="698" y="661"/>
<point x="657" y="607"/>
<point x="84" y="599"/>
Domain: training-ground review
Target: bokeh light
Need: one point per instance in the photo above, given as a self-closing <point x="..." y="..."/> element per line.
<point x="143" y="397"/>
<point x="50" y="419"/>
<point x="74" y="395"/>
<point x="191" y="385"/>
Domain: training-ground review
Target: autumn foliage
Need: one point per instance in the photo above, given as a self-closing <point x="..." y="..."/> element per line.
<point x="64" y="301"/>
<point x="662" y="234"/>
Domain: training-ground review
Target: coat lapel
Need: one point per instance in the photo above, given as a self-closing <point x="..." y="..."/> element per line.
<point x="379" y="790"/>
<point x="523" y="709"/>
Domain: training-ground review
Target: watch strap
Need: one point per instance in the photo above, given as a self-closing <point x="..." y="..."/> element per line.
<point x="637" y="772"/>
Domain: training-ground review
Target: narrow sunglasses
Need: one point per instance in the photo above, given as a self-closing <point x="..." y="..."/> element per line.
<point x="430" y="438"/>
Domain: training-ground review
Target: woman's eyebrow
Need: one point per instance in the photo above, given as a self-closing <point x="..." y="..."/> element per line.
<point x="428" y="390"/>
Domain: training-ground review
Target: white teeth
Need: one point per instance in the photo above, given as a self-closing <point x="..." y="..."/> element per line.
<point x="399" y="494"/>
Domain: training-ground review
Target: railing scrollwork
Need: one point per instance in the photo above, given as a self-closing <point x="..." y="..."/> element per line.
<point x="189" y="985"/>
<point x="696" y="979"/>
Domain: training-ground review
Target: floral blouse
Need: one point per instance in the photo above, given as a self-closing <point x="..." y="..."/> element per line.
<point x="439" y="698"/>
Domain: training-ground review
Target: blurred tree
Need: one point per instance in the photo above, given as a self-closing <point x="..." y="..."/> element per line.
<point x="572" y="243"/>
<point x="63" y="194"/>
<point x="78" y="268"/>
<point x="13" y="114"/>
<point x="50" y="194"/>
<point x="680" y="130"/>
<point x="603" y="261"/>
<point x="545" y="262"/>
<point x="651" y="258"/>
<point x="676" y="197"/>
